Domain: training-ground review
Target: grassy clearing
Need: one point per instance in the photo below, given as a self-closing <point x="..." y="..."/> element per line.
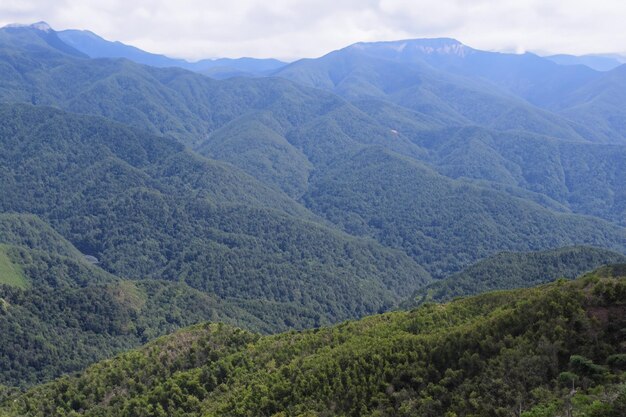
<point x="10" y="273"/>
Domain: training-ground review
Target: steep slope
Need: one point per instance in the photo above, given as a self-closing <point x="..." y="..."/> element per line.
<point x="267" y="146"/>
<point x="31" y="232"/>
<point x="510" y="270"/>
<point x="454" y="92"/>
<point x="589" y="97"/>
<point x="256" y="144"/>
<point x="600" y="104"/>
<point x="496" y="354"/>
<point x="64" y="314"/>
<point x="337" y="154"/>
<point x="60" y="313"/>
<point x="253" y="116"/>
<point x="167" y="101"/>
<point x="147" y="208"/>
<point x="296" y="140"/>
<point x="584" y="178"/>
<point x="37" y="38"/>
<point x="175" y="102"/>
<point x="444" y="223"/>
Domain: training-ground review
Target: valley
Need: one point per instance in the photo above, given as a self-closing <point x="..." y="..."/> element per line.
<point x="412" y="227"/>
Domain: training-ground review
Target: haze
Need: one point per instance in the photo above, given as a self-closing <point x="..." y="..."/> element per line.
<point x="289" y="29"/>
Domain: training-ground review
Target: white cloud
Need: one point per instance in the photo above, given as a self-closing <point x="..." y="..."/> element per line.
<point x="290" y="28"/>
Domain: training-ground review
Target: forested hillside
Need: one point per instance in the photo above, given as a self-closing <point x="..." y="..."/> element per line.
<point x="502" y="353"/>
<point x="579" y="177"/>
<point x="300" y="142"/>
<point x="441" y="222"/>
<point x="458" y="99"/>
<point x="60" y="313"/>
<point x="147" y="208"/>
<point x="599" y="104"/>
<point x="136" y="200"/>
<point x="30" y="232"/>
<point x="535" y="79"/>
<point x="68" y="315"/>
<point x="508" y="270"/>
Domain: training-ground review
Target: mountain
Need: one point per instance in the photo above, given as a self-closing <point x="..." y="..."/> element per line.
<point x="475" y="87"/>
<point x="60" y="313"/>
<point x="496" y="354"/>
<point x="338" y="175"/>
<point x="442" y="222"/>
<point x="38" y="37"/>
<point x="597" y="62"/>
<point x="137" y="200"/>
<point x="297" y="140"/>
<point x="95" y="46"/>
<point x="508" y="270"/>
<point x="448" y="81"/>
<point x="468" y="129"/>
<point x="527" y="75"/>
<point x="146" y="207"/>
<point x="598" y="104"/>
<point x="165" y="101"/>
<point x="566" y="176"/>
<point x="584" y="178"/>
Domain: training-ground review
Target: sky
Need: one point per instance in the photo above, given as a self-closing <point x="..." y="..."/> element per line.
<point x="290" y="29"/>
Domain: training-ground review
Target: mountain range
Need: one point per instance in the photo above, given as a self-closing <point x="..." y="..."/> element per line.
<point x="95" y="46"/>
<point x="142" y="194"/>
<point x="599" y="62"/>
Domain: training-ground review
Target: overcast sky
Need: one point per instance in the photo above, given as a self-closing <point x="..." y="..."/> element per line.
<point x="291" y="29"/>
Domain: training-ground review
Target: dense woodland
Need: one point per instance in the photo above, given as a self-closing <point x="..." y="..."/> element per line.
<point x="146" y="208"/>
<point x="497" y="354"/>
<point x="510" y="270"/>
<point x="138" y="200"/>
<point x="60" y="313"/>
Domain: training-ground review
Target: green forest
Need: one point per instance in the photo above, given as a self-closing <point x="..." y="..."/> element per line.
<point x="498" y="354"/>
<point x="411" y="228"/>
<point x="61" y="313"/>
<point x="508" y="270"/>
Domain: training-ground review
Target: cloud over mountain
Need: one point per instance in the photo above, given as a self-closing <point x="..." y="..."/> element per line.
<point x="291" y="29"/>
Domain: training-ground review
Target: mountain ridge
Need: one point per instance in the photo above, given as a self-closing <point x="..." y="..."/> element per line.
<point x="509" y="270"/>
<point x="599" y="62"/>
<point x="320" y="129"/>
<point x="86" y="43"/>
<point x="279" y="204"/>
<point x="433" y="360"/>
<point x="95" y="46"/>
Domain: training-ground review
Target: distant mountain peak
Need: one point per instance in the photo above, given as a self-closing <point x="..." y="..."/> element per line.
<point x="42" y="26"/>
<point x="38" y="35"/>
<point x="433" y="46"/>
